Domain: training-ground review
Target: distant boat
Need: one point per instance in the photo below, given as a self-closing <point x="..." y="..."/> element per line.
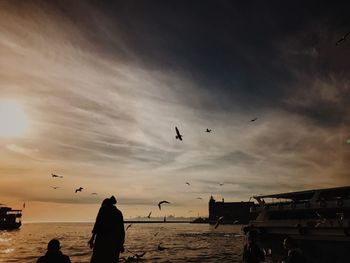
<point x="9" y="218"/>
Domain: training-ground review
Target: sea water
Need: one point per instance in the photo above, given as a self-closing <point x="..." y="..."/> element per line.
<point x="183" y="242"/>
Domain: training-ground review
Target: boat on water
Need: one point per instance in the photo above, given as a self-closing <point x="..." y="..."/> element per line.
<point x="10" y="218"/>
<point x="319" y="220"/>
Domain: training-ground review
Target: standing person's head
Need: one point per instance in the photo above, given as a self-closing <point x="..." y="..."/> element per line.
<point x="113" y="200"/>
<point x="53" y="245"/>
<point x="289" y="243"/>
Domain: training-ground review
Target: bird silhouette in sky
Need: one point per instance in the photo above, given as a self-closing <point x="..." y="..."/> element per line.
<point x="149" y="215"/>
<point x="199" y="198"/>
<point x="342" y="39"/>
<point x="208" y="130"/>
<point x="253" y="119"/>
<point x="54" y="187"/>
<point x="56" y="176"/>
<point x="162" y="202"/>
<point x="128" y="227"/>
<point x="188" y="183"/>
<point x="79" y="189"/>
<point x="178" y="135"/>
<point x="218" y="222"/>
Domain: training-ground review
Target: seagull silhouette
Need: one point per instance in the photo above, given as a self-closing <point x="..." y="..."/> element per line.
<point x="160" y="248"/>
<point x="342" y="39"/>
<point x="178" y="135"/>
<point x="54" y="187"/>
<point x="162" y="202"/>
<point x="79" y="189"/>
<point x="149" y="215"/>
<point x="321" y="220"/>
<point x="128" y="227"/>
<point x="253" y="119"/>
<point x="137" y="256"/>
<point x="56" y="176"/>
<point x="208" y="130"/>
<point x="218" y="222"/>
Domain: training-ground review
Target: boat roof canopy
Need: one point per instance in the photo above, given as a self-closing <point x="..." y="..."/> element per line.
<point x="326" y="193"/>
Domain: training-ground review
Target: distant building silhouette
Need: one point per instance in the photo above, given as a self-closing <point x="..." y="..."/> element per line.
<point x="233" y="212"/>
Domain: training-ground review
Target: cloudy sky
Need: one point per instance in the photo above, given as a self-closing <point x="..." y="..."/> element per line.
<point x="93" y="91"/>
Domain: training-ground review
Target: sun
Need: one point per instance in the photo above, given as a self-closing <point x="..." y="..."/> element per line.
<point x="13" y="120"/>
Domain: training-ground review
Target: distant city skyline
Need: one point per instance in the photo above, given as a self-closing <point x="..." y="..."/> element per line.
<point x="93" y="90"/>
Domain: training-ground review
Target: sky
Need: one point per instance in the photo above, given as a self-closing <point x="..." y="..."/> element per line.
<point x="93" y="90"/>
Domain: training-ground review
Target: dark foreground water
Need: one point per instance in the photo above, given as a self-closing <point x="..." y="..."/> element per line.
<point x="185" y="242"/>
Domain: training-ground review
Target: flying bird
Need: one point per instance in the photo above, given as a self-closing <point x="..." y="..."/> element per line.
<point x="342" y="39"/>
<point x="126" y="229"/>
<point x="188" y="183"/>
<point x="178" y="135"/>
<point x="56" y="176"/>
<point x="208" y="130"/>
<point x="79" y="189"/>
<point x="321" y="220"/>
<point x="199" y="198"/>
<point x="253" y="119"/>
<point x="160" y="248"/>
<point x="149" y="215"/>
<point x="54" y="187"/>
<point x="218" y="222"/>
<point x="162" y="202"/>
<point x="137" y="256"/>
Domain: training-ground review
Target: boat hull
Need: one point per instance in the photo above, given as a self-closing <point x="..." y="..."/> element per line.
<point x="11" y="226"/>
<point x="320" y="245"/>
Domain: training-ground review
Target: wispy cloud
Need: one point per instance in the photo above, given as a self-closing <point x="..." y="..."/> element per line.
<point x="103" y="93"/>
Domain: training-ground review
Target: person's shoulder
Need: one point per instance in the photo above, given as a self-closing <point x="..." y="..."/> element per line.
<point x="118" y="211"/>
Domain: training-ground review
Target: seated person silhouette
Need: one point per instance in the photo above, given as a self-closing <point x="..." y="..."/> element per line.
<point x="53" y="254"/>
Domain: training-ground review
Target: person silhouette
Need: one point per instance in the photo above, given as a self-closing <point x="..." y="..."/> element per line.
<point x="108" y="234"/>
<point x="53" y="254"/>
<point x="251" y="252"/>
<point x="294" y="254"/>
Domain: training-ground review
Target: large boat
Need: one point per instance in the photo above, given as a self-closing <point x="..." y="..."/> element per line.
<point x="9" y="218"/>
<point x="319" y="220"/>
